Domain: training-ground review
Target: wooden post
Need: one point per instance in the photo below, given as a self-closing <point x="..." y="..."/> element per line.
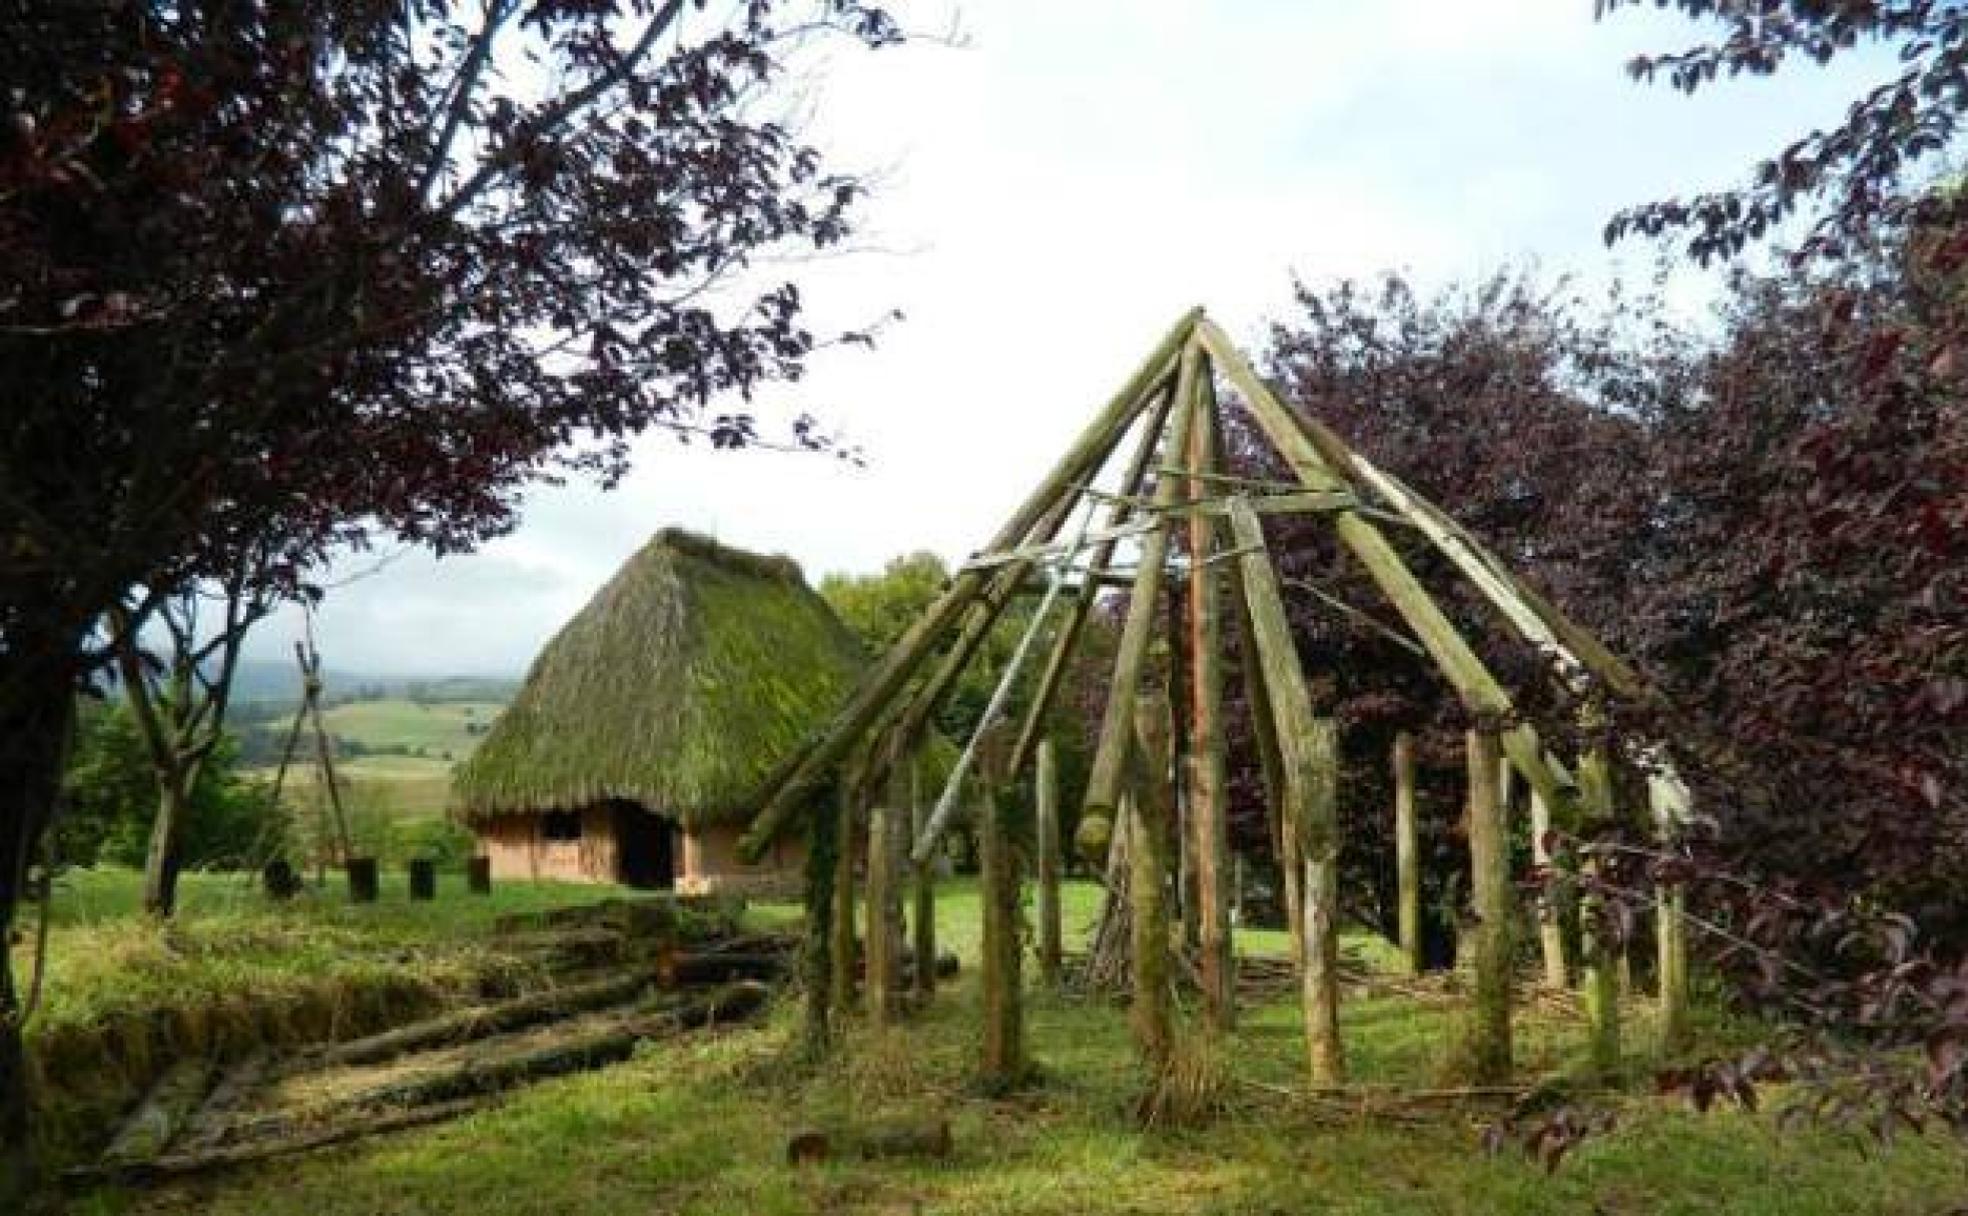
<point x="925" y="909"/>
<point x="880" y="985"/>
<point x="878" y="689"/>
<point x="1319" y="989"/>
<point x="1270" y="759"/>
<point x="817" y="965"/>
<point x="842" y="952"/>
<point x="1152" y="1012"/>
<point x="1308" y="812"/>
<point x="1670" y="927"/>
<point x="1601" y="971"/>
<point x="1046" y="782"/>
<point x="1117" y="725"/>
<point x="1003" y="1061"/>
<point x="1551" y="934"/>
<point x="1407" y="852"/>
<point x="1209" y="791"/>
<point x="1489" y="864"/>
<point x="362" y="879"/>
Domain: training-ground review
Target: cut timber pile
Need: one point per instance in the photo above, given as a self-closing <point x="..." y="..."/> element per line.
<point x="446" y="1066"/>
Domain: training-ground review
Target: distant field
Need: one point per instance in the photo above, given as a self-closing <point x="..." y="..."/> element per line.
<point x="438" y="728"/>
<point x="405" y="786"/>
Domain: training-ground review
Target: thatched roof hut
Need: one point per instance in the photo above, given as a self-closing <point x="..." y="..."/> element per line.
<point x="648" y="724"/>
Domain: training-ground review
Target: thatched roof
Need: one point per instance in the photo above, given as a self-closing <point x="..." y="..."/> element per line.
<point x="679" y="687"/>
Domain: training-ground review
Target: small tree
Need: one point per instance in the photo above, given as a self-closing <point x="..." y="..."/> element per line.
<point x="291" y="276"/>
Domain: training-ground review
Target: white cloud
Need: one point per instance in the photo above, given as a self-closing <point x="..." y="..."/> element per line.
<point x="1059" y="192"/>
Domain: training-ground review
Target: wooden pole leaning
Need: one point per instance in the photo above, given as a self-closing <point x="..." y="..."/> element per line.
<point x="1209" y="793"/>
<point x="1105" y="780"/>
<point x="1308" y="756"/>
<point x="889" y="676"/>
<point x="1478" y="690"/>
<point x="1067" y="639"/>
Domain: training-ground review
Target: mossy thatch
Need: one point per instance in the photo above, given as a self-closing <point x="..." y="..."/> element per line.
<point x="679" y="687"/>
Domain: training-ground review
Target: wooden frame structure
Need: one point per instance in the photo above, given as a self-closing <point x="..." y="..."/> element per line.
<point x="1172" y="402"/>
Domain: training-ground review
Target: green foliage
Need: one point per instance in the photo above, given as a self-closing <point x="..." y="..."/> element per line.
<point x="112" y="799"/>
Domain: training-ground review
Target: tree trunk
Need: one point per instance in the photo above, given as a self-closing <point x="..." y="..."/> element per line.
<point x="1489" y="865"/>
<point x="160" y="894"/>
<point x="1046" y="799"/>
<point x="1407" y="852"/>
<point x="37" y="709"/>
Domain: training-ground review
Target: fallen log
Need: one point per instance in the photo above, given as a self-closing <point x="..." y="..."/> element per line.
<point x="161" y="1114"/>
<point x="481" y="1022"/>
<point x="882" y="1141"/>
<point x="492" y="1073"/>
<point x="178" y="1165"/>
<point x="432" y="1099"/>
<point x="719" y="967"/>
<point x="206" y="1127"/>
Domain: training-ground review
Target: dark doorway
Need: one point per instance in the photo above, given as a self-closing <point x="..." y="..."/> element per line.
<point x="645" y="848"/>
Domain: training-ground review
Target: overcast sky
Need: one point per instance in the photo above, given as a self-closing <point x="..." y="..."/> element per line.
<point x="1051" y="195"/>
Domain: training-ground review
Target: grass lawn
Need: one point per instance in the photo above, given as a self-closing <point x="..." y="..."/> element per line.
<point x="700" y="1127"/>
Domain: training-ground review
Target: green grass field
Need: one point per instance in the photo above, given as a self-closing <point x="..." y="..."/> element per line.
<point x="437" y="727"/>
<point x="408" y="786"/>
<point x="700" y="1126"/>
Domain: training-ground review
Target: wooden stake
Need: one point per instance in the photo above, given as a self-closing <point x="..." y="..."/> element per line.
<point x="889" y="676"/>
<point x="1551" y="935"/>
<point x="1309" y="810"/>
<point x="1209" y="791"/>
<point x="1110" y="754"/>
<point x="1046" y="799"/>
<point x="1489" y="864"/>
<point x="1152" y="1011"/>
<point x="1407" y="852"/>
